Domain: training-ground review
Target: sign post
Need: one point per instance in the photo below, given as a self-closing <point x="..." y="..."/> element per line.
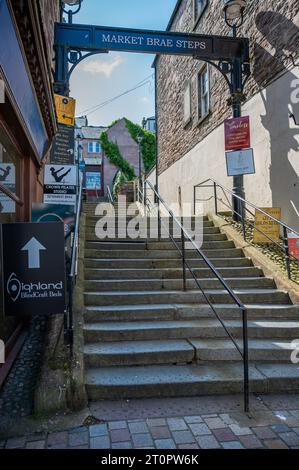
<point x="33" y="269"/>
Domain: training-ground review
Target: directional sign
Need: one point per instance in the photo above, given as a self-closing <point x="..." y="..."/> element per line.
<point x="33" y="268"/>
<point x="89" y="37"/>
<point x="63" y="148"/>
<point x="65" y="109"/>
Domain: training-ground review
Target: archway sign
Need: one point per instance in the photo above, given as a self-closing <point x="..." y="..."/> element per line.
<point x="74" y="42"/>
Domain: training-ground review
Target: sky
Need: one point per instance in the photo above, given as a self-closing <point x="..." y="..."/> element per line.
<point x="104" y="76"/>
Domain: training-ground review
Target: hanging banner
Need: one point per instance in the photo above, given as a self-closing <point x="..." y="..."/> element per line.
<point x="294" y="244"/>
<point x="237" y="133"/>
<point x="8" y="179"/>
<point x="65" y="110"/>
<point x="240" y="162"/>
<point x="266" y="225"/>
<point x="60" y="184"/>
<point x="63" y="148"/>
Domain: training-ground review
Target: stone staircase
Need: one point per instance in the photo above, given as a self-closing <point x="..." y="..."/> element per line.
<point x="147" y="337"/>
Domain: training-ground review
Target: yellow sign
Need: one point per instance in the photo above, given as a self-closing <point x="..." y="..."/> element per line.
<point x="265" y="225"/>
<point x="65" y="109"/>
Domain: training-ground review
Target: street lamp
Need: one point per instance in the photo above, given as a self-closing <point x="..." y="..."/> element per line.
<point x="234" y="18"/>
<point x="70" y="12"/>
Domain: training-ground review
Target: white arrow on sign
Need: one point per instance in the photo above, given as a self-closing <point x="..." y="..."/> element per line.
<point x="34" y="247"/>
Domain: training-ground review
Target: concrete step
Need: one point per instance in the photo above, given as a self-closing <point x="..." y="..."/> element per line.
<point x="162" y="247"/>
<point x="91" y="230"/>
<point x="144" y="244"/>
<point x="187" y="380"/>
<point x="168" y="273"/>
<point x="138" y="353"/>
<point x="160" y="254"/>
<point x="184" y="329"/>
<point x="174" y="284"/>
<point x="248" y="296"/>
<point x="187" y="311"/>
<point x="162" y="263"/>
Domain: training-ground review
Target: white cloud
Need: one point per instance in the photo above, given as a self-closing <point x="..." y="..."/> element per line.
<point x="103" y="67"/>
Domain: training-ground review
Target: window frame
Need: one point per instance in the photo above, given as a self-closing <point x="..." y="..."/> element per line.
<point x="93" y="146"/>
<point x="204" y="68"/>
<point x="187" y="89"/>
<point x="198" y="15"/>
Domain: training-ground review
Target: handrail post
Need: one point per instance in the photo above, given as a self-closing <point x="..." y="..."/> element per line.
<point x="243" y="220"/>
<point x="287" y="252"/>
<point x="245" y="360"/>
<point x="215" y="197"/>
<point x="183" y="258"/>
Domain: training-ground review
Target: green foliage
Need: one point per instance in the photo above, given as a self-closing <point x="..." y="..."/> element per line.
<point x="119" y="180"/>
<point x="112" y="152"/>
<point x="147" y="145"/>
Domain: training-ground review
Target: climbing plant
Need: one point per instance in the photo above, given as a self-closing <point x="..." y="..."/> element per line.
<point x="113" y="153"/>
<point x="147" y="145"/>
<point x="119" y="180"/>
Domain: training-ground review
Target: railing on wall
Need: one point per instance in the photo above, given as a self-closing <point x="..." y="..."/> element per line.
<point x="247" y="218"/>
<point x="143" y="195"/>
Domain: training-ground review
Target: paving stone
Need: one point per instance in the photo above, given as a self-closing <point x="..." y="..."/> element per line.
<point x="183" y="437"/>
<point x="78" y="439"/>
<point x="278" y="428"/>
<point x="165" y="444"/>
<point x="264" y="432"/>
<point x="188" y="446"/>
<point x="101" y="442"/>
<point x="224" y="435"/>
<point x="251" y="442"/>
<point x="193" y="419"/>
<point x="161" y="432"/>
<point x="117" y="425"/>
<point x="36" y="445"/>
<point x="98" y="430"/>
<point x="232" y="445"/>
<point x="290" y="438"/>
<point x="58" y="447"/>
<point x="2" y="444"/>
<point x="208" y="442"/>
<point x="15" y="443"/>
<point x="142" y="440"/>
<point x="80" y="447"/>
<point x="226" y="418"/>
<point x="296" y="430"/>
<point x="240" y="431"/>
<point x="122" y="445"/>
<point x="215" y="423"/>
<point x="57" y="438"/>
<point x="295" y="413"/>
<point x="37" y="437"/>
<point x="200" y="429"/>
<point x="153" y="422"/>
<point x="120" y="435"/>
<point x="275" y="444"/>
<point x="78" y="429"/>
<point x="138" y="427"/>
<point x="292" y="421"/>
<point x="177" y="424"/>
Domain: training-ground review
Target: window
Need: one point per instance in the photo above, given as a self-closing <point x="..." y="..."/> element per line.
<point x="187" y="104"/>
<point x="203" y="86"/>
<point x="94" y="147"/>
<point x="199" y="8"/>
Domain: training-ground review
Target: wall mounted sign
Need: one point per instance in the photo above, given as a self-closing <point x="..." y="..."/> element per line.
<point x="65" y="110"/>
<point x="294" y="244"/>
<point x="90" y="37"/>
<point x="237" y="133"/>
<point x="33" y="269"/>
<point x="54" y="213"/>
<point x="240" y="162"/>
<point x="267" y="225"/>
<point x="93" y="180"/>
<point x="60" y="182"/>
<point x="8" y="179"/>
<point x="63" y="148"/>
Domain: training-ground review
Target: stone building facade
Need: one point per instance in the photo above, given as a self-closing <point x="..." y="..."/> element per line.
<point x="191" y="143"/>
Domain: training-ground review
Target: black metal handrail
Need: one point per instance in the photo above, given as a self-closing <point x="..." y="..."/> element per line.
<point x="72" y="274"/>
<point x="186" y="236"/>
<point x="241" y="215"/>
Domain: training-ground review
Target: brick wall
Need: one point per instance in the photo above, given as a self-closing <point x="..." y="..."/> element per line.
<point x="273" y="29"/>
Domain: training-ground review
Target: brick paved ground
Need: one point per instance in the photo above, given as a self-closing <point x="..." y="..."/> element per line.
<point x="271" y="430"/>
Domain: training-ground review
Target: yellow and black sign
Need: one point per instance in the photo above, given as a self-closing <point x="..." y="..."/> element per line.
<point x="65" y="109"/>
<point x="265" y="225"/>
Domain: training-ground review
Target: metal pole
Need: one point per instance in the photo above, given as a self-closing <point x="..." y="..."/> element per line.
<point x="215" y="197"/>
<point x="157" y="201"/>
<point x="245" y="361"/>
<point x="287" y="252"/>
<point x="183" y="258"/>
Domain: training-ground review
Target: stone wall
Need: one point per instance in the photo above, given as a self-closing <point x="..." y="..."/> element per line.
<point x="273" y="29"/>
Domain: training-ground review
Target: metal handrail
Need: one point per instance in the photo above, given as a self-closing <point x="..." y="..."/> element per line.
<point x="185" y="235"/>
<point x="284" y="248"/>
<point x="110" y="197"/>
<point x="72" y="275"/>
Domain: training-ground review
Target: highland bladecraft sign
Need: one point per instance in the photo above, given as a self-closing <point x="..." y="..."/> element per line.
<point x="88" y="37"/>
